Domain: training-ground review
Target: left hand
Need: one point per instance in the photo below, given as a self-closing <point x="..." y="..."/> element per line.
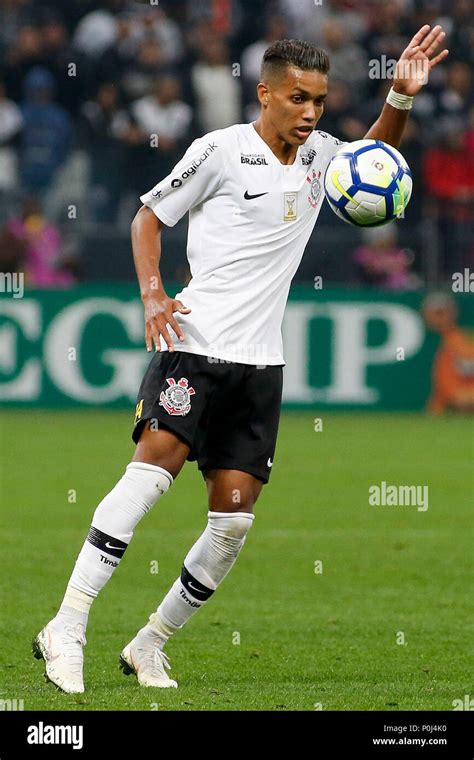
<point x="415" y="63"/>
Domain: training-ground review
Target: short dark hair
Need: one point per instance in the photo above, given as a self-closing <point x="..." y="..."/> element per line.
<point x="299" y="53"/>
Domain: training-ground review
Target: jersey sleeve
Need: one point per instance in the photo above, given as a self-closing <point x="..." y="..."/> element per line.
<point x="196" y="177"/>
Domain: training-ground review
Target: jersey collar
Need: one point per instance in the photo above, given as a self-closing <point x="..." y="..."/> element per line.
<point x="271" y="153"/>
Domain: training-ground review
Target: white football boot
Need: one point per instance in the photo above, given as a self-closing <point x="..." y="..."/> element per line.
<point x="144" y="658"/>
<point x="60" y="646"/>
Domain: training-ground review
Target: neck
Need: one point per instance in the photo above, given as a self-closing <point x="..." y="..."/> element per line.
<point x="285" y="152"/>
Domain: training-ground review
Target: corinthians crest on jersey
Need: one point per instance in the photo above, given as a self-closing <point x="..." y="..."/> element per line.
<point x="177" y="398"/>
<point x="315" y="187"/>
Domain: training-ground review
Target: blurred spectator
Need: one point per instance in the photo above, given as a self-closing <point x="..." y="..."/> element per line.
<point x="47" y="133"/>
<point x="41" y="243"/>
<point x="57" y="56"/>
<point x="389" y="29"/>
<point x="164" y="114"/>
<point x="140" y="74"/>
<point x="156" y="133"/>
<point x="251" y="60"/>
<point x="382" y="263"/>
<point x="140" y="26"/>
<point x="95" y="32"/>
<point x="223" y="17"/>
<point x="216" y="90"/>
<point x="458" y="21"/>
<point x="340" y="118"/>
<point x="113" y="62"/>
<point x="12" y="252"/>
<point x="12" y="14"/>
<point x="11" y="122"/>
<point x="102" y="124"/>
<point x="388" y="34"/>
<point x="307" y="17"/>
<point x="412" y="147"/>
<point x="149" y="21"/>
<point x="449" y="179"/>
<point x="25" y="53"/>
<point x="348" y="59"/>
<point x="456" y="96"/>
<point x="453" y="366"/>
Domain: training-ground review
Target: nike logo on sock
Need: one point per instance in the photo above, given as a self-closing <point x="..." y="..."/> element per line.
<point x="199" y="591"/>
<point x="105" y="542"/>
<point x="118" y="548"/>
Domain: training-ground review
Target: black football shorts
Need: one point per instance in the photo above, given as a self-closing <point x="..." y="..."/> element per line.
<point x="227" y="412"/>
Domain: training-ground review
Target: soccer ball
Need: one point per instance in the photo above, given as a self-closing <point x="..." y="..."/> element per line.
<point x="368" y="183"/>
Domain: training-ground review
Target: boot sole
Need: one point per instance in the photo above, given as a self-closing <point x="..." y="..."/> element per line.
<point x="126" y="669"/>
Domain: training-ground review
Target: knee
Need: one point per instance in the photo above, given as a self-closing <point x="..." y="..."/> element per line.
<point x="231" y="491"/>
<point x="141" y="485"/>
<point x="236" y="500"/>
<point x="232" y="526"/>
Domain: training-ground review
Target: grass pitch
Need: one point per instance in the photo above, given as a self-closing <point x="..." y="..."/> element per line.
<point x="333" y="604"/>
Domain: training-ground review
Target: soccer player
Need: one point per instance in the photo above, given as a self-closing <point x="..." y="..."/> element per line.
<point x="212" y="390"/>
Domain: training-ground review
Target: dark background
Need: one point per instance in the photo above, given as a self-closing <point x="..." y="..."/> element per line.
<point x="83" y="85"/>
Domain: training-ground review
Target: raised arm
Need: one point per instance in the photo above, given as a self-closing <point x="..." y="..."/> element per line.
<point x="159" y="308"/>
<point x="411" y="73"/>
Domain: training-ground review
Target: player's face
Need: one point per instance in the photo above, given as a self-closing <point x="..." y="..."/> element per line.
<point x="296" y="104"/>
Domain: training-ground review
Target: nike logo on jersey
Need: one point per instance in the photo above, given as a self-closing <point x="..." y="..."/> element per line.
<point x="269" y="462"/>
<point x="250" y="197"/>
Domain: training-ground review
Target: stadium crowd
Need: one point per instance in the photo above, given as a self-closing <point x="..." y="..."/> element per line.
<point x="98" y="100"/>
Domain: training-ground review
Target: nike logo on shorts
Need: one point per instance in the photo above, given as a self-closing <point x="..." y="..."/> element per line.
<point x="269" y="462"/>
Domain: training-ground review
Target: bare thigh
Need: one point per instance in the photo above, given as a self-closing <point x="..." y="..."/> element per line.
<point x="162" y="448"/>
<point x="228" y="490"/>
<point x="232" y="490"/>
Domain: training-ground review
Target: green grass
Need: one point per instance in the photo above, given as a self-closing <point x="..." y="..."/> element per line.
<point x="306" y="638"/>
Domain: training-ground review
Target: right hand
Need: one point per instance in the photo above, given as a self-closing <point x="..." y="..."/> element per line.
<point x="158" y="312"/>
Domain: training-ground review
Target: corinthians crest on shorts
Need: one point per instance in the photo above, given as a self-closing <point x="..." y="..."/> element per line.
<point x="177" y="398"/>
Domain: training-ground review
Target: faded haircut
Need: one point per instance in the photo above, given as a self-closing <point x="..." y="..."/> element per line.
<point x="284" y="53"/>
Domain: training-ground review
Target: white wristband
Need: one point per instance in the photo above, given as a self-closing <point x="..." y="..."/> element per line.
<point x="397" y="100"/>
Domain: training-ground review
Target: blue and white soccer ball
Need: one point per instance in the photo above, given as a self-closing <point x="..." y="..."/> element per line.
<point x="368" y="183"/>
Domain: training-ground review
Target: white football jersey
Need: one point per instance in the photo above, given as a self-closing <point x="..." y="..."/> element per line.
<point x="250" y="217"/>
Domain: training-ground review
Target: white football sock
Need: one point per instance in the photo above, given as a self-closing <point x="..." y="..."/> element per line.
<point x="110" y="533"/>
<point x="205" y="566"/>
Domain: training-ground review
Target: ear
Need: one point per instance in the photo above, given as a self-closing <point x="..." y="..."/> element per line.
<point x="262" y="93"/>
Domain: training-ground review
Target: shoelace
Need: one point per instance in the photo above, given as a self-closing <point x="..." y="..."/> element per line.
<point x="156" y="658"/>
<point x="74" y="635"/>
